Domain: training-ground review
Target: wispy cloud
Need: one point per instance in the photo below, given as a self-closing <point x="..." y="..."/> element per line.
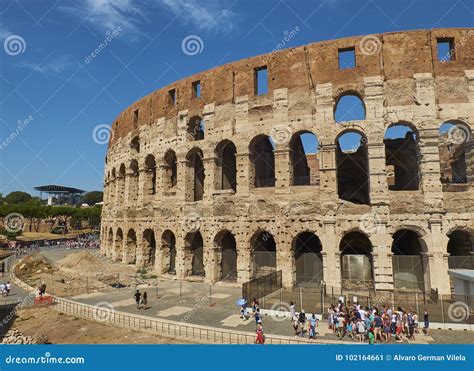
<point x="210" y="15"/>
<point x="106" y="15"/>
<point x="51" y="67"/>
<point x="3" y="32"/>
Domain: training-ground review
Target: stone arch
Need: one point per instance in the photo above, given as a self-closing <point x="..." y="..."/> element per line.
<point x="352" y="167"/>
<point x="357" y="269"/>
<point x="263" y="251"/>
<point x="195" y="175"/>
<point x="170" y="170"/>
<point x="130" y="248"/>
<point x="262" y="159"/>
<point x="227" y="248"/>
<point x="168" y="252"/>
<point x="118" y="248"/>
<point x="195" y="129"/>
<point x="226" y="174"/>
<point x="194" y="254"/>
<point x="304" y="160"/>
<point x="460" y="249"/>
<point x="402" y="156"/>
<point x="150" y="175"/>
<point x="456" y="152"/>
<point x="149" y="247"/>
<point x="135" y="144"/>
<point x="307" y="259"/>
<point x="409" y="268"/>
<point x="349" y="106"/>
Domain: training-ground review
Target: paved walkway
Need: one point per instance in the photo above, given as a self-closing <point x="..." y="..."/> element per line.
<point x="191" y="302"/>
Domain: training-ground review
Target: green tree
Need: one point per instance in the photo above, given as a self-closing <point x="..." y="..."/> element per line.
<point x="91" y="198"/>
<point x="17" y="197"/>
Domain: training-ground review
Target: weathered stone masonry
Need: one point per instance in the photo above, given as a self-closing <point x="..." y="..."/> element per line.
<point x="193" y="187"/>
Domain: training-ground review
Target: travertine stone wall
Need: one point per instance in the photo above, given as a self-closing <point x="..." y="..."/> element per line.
<point x="399" y="79"/>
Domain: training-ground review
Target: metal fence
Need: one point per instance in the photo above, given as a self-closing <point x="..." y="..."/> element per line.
<point x="262" y="286"/>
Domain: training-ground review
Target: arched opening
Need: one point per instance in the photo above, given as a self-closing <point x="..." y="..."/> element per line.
<point x="150" y="247"/>
<point x="407" y="261"/>
<point x="454" y="152"/>
<point x="357" y="271"/>
<point x="150" y="173"/>
<point x="130" y="254"/>
<point x="195" y="175"/>
<point x="226" y="174"/>
<point x="402" y="157"/>
<point x="170" y="171"/>
<point x="352" y="161"/>
<point x="119" y="245"/>
<point x="168" y="242"/>
<point x="133" y="182"/>
<point x="225" y="242"/>
<point x="262" y="159"/>
<point x="263" y="249"/>
<point x="110" y="242"/>
<point x="195" y="254"/>
<point x="308" y="259"/>
<point x="196" y="129"/>
<point x="460" y="250"/>
<point x="304" y="159"/>
<point x="135" y="145"/>
<point x="349" y="107"/>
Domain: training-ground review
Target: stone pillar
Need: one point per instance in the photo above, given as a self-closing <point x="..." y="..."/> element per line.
<point x="181" y="268"/>
<point x="284" y="255"/>
<point x="120" y="191"/>
<point x="282" y="171"/>
<point x="378" y="177"/>
<point x="382" y="255"/>
<point x="141" y="182"/>
<point x="141" y="250"/>
<point x="243" y="173"/>
<point x="327" y="173"/>
<point x="244" y="258"/>
<point x="210" y="185"/>
<point x="183" y="179"/>
<point x="331" y="257"/>
<point x="438" y="263"/>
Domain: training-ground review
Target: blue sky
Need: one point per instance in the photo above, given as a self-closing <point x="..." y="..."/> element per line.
<point x="52" y="98"/>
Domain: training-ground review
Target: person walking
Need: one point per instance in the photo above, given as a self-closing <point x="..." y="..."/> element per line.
<point x="260" y="337"/>
<point x="8" y="286"/>
<point x="145" y="300"/>
<point x="426" y="320"/>
<point x="138" y="296"/>
<point x="292" y="310"/>
<point x="377" y="327"/>
<point x="302" y="321"/>
<point x="312" y="326"/>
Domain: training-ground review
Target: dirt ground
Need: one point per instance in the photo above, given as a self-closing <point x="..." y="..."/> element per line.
<point x="77" y="273"/>
<point x="64" y="329"/>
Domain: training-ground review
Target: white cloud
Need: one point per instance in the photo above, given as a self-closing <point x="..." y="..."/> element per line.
<point x="107" y="15"/>
<point x="55" y="66"/>
<point x="4" y="32"/>
<point x="208" y="15"/>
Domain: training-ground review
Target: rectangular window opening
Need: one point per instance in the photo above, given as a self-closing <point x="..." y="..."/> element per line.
<point x="172" y="95"/>
<point x="346" y="58"/>
<point x="197" y="89"/>
<point x="446" y="49"/>
<point x="135" y="116"/>
<point x="261" y="80"/>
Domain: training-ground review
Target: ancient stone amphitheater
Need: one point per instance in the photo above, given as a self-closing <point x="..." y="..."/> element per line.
<point x="214" y="177"/>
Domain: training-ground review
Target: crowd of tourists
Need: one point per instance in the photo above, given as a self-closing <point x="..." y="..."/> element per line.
<point x="372" y="324"/>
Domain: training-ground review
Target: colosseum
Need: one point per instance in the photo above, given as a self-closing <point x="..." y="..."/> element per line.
<point x="249" y="168"/>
